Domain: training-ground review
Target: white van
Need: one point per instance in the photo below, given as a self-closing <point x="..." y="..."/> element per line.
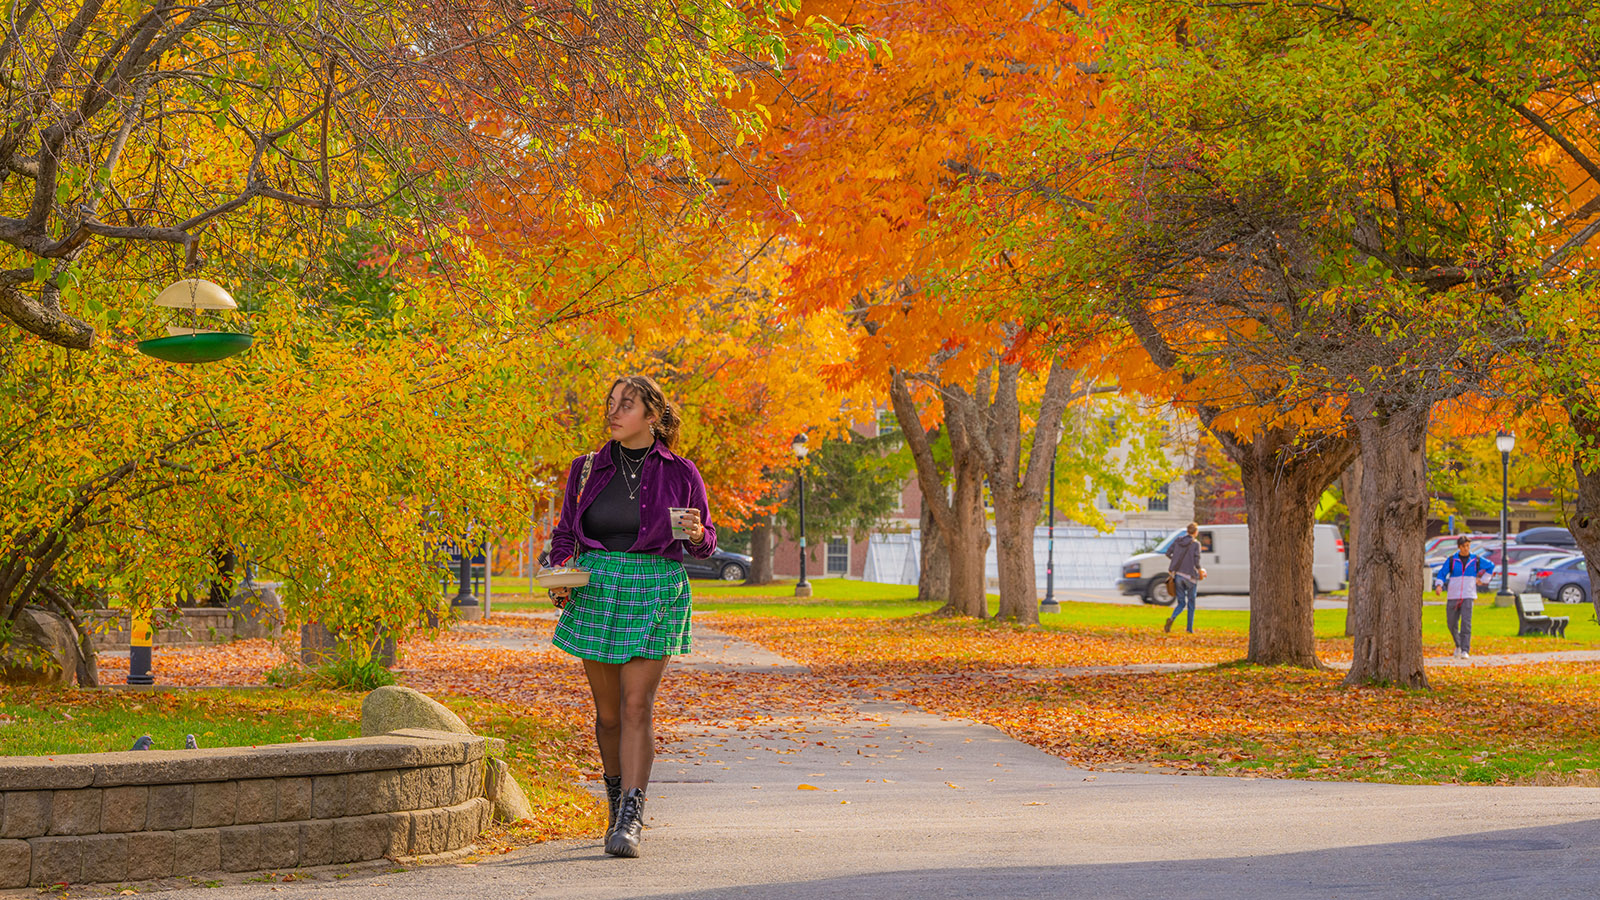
<point x="1225" y="555"/>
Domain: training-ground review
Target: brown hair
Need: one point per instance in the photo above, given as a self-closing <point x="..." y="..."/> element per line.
<point x="1463" y="540"/>
<point x="645" y="389"/>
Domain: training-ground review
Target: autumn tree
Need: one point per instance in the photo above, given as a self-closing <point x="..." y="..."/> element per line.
<point x="356" y="432"/>
<point x="1316" y="254"/>
<point x="155" y="123"/>
<point x="869" y="148"/>
<point x="1206" y="284"/>
<point x="1420" y="265"/>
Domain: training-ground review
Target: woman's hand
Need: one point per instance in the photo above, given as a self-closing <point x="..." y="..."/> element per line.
<point x="692" y="526"/>
<point x="559" y="597"/>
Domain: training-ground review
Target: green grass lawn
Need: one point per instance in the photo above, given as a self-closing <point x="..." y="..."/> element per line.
<point x="39" y="722"/>
<point x="1494" y="629"/>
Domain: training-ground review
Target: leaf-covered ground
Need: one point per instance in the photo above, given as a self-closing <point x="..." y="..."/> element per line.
<point x="504" y="679"/>
<point x="1505" y="724"/>
<point x="1514" y="724"/>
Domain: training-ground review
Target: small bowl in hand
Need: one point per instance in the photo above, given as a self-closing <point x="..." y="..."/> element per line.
<point x="562" y="577"/>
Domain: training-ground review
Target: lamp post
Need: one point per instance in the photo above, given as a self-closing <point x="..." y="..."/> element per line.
<point x="465" y="605"/>
<point x="1049" y="605"/>
<point x="1504" y="441"/>
<point x="803" y="587"/>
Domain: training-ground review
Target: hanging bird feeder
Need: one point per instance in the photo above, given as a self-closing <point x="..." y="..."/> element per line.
<point x="188" y="341"/>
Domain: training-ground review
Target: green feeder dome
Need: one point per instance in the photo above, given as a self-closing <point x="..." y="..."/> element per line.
<point x="193" y="344"/>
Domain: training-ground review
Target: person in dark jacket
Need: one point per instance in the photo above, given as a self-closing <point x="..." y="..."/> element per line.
<point x="623" y="504"/>
<point x="1185" y="572"/>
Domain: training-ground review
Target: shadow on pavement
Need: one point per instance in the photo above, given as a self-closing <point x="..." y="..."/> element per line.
<point x="1543" y="862"/>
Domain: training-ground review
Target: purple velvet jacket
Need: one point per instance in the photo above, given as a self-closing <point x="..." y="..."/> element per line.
<point x="667" y="480"/>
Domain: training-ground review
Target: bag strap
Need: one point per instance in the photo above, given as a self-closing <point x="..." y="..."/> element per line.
<point x="583" y="481"/>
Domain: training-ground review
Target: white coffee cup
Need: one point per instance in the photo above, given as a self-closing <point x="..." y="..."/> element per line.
<point x="677" y="515"/>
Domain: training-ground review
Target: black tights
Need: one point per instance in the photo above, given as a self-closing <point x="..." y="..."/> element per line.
<point x="624" y="716"/>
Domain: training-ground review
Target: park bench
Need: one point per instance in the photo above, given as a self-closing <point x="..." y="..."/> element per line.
<point x="1531" y="618"/>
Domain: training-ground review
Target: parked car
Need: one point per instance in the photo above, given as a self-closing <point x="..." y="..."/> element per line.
<point x="1548" y="534"/>
<point x="721" y="564"/>
<point x="1564" y="582"/>
<point x="1444" y="544"/>
<point x="1519" y="552"/>
<point x="1520" y="575"/>
<point x="1225" y="555"/>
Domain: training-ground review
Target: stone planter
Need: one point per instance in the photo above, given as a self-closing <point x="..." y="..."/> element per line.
<point x="257" y="611"/>
<point x="133" y="816"/>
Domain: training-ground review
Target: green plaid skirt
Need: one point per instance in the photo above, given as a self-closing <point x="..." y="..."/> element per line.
<point x="635" y="604"/>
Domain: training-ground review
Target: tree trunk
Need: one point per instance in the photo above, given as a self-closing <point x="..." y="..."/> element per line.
<point x="1019" y="491"/>
<point x="969" y="544"/>
<point x="1281" y="488"/>
<point x="1019" y="589"/>
<point x="960" y="515"/>
<point x="933" y="565"/>
<point x="760" y="553"/>
<point x="1350" y="484"/>
<point x="1585" y="521"/>
<point x="1387" y="574"/>
<point x="221" y="586"/>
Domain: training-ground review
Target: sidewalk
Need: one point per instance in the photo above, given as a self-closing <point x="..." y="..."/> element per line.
<point x="907" y="805"/>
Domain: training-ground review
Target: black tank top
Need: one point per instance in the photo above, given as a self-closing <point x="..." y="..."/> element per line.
<point x="613" y="517"/>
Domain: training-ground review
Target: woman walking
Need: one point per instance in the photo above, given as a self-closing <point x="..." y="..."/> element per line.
<point x="617" y="522"/>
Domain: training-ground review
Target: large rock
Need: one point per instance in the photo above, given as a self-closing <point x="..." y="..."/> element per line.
<point x="257" y="611"/>
<point x="392" y="708"/>
<point x="42" y="650"/>
<point x="510" y="803"/>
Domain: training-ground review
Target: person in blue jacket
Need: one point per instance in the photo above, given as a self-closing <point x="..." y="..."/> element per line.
<point x="1461" y="574"/>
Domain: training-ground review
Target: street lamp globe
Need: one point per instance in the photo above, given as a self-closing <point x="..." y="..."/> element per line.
<point x="799" y="446"/>
<point x="1505" y="441"/>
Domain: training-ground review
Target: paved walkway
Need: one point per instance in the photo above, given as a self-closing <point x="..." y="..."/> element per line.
<point x="896" y="803"/>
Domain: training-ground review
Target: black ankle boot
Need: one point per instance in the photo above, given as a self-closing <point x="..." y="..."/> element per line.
<point x="613" y="800"/>
<point x="624" y="838"/>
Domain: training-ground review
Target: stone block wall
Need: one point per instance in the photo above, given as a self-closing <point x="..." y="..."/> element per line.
<point x="138" y="815"/>
<point x="185" y="628"/>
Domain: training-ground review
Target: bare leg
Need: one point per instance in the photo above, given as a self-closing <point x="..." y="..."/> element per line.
<point x="640" y="678"/>
<point x="605" y="684"/>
